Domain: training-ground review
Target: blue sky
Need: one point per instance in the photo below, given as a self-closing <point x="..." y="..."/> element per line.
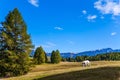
<point x="69" y="25"/>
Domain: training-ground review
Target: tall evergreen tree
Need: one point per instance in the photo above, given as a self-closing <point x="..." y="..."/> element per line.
<point x="55" y="57"/>
<point x="39" y="56"/>
<point x="58" y="57"/>
<point x="16" y="45"/>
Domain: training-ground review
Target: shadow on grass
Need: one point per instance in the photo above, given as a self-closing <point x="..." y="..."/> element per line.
<point x="104" y="73"/>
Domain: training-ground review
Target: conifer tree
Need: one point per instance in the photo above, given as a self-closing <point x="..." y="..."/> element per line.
<point x="58" y="57"/>
<point x="15" y="46"/>
<point x="39" y="56"/>
<point x="55" y="57"/>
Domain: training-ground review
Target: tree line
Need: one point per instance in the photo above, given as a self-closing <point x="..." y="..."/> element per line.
<point x="106" y="56"/>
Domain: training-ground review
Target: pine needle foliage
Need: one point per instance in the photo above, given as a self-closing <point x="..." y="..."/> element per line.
<point x="55" y="57"/>
<point x="39" y="56"/>
<point x="15" y="45"/>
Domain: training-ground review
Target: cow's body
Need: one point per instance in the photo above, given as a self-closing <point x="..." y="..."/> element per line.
<point x="86" y="63"/>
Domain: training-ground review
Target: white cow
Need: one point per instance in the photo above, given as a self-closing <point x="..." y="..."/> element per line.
<point x="86" y="63"/>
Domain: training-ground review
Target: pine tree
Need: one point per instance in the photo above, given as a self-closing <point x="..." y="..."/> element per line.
<point x="16" y="45"/>
<point x="39" y="56"/>
<point x="58" y="57"/>
<point x="55" y="57"/>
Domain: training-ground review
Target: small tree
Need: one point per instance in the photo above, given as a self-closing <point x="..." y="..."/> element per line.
<point x="39" y="56"/>
<point x="55" y="57"/>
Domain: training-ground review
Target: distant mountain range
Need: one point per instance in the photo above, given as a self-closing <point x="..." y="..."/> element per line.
<point x="87" y="53"/>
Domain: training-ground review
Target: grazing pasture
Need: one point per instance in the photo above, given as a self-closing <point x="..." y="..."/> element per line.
<point x="99" y="70"/>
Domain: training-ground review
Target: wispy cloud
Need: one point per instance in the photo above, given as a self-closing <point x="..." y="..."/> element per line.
<point x="58" y="28"/>
<point x="34" y="2"/>
<point x="91" y="17"/>
<point x="71" y="42"/>
<point x="49" y="45"/>
<point x="108" y="7"/>
<point x="113" y="33"/>
<point x="84" y="12"/>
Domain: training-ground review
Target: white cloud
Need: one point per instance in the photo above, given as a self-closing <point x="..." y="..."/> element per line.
<point x="58" y="28"/>
<point x="91" y="17"/>
<point x="113" y="33"/>
<point x="34" y="2"/>
<point x="84" y="12"/>
<point x="108" y="7"/>
<point x="49" y="45"/>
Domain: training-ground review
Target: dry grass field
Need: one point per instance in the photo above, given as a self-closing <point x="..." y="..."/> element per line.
<point x="99" y="70"/>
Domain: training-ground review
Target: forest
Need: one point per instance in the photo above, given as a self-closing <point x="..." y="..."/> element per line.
<point x="113" y="56"/>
